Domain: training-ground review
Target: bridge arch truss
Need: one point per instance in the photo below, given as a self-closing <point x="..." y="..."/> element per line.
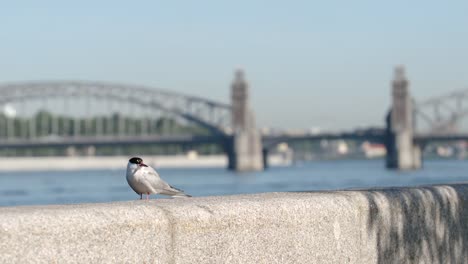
<point x="212" y="115"/>
<point x="441" y="114"/>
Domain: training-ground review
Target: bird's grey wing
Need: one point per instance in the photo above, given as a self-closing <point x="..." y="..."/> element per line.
<point x="160" y="185"/>
<point x="152" y="178"/>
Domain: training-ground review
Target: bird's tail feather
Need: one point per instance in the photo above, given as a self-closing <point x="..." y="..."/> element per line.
<point x="182" y="195"/>
<point x="174" y="192"/>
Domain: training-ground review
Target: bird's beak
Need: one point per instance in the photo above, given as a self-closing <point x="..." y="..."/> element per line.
<point x="143" y="165"/>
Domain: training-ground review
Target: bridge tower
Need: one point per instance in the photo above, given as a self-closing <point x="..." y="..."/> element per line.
<point x="245" y="152"/>
<point x="402" y="153"/>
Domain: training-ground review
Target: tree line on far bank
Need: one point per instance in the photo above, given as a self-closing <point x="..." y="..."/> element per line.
<point x="44" y="124"/>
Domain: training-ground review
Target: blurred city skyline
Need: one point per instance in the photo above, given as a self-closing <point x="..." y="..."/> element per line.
<point x="325" y="65"/>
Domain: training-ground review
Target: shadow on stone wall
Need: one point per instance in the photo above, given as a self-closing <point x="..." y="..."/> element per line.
<point x="423" y="225"/>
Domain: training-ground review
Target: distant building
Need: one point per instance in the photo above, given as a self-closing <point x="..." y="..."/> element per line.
<point x="373" y="150"/>
<point x="342" y="148"/>
<point x="192" y="155"/>
<point x="445" y="151"/>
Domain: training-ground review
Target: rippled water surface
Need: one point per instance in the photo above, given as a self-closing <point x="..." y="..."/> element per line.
<point x="27" y="188"/>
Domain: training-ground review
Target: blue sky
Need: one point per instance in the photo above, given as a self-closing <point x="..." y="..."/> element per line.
<point x="310" y="63"/>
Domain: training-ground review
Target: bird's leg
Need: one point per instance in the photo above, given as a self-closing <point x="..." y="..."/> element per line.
<point x="141" y="196"/>
<point x="147" y="196"/>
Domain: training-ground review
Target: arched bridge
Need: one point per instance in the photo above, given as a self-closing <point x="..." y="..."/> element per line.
<point x="85" y="113"/>
<point x="410" y="125"/>
<point x="212" y="115"/>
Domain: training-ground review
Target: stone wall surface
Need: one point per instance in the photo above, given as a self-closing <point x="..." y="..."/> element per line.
<point x="394" y="225"/>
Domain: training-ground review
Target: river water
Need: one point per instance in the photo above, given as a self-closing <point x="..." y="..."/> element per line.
<point x="91" y="186"/>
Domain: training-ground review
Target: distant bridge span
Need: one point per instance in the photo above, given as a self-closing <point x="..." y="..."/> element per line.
<point x="378" y="136"/>
<point x="112" y="141"/>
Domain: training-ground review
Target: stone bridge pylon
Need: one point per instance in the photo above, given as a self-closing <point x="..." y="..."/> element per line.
<point x="402" y="152"/>
<point x="245" y="150"/>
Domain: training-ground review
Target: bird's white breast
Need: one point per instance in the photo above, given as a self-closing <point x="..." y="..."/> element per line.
<point x="131" y="169"/>
<point x="136" y="180"/>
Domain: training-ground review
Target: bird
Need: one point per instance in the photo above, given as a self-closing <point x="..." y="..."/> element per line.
<point x="143" y="179"/>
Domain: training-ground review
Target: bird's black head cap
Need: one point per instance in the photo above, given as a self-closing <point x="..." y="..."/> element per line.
<point x="136" y="160"/>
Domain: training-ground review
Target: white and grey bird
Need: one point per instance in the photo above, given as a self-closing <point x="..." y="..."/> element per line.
<point x="145" y="180"/>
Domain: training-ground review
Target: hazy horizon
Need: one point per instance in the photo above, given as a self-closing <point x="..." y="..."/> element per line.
<point x="325" y="65"/>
